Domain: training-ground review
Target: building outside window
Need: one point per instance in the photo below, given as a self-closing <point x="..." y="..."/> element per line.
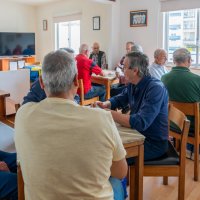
<point x="183" y="30"/>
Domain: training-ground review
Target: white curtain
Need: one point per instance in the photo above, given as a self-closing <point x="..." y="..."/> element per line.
<point x="172" y="5"/>
<point x="67" y="17"/>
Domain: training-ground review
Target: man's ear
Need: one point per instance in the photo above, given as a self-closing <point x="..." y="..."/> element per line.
<point x="41" y="82"/>
<point x="76" y="80"/>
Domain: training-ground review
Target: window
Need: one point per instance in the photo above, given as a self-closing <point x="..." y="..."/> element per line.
<point x="183" y="30"/>
<point x="67" y="34"/>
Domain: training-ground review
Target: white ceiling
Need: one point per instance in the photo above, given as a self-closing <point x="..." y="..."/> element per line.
<point x="34" y="2"/>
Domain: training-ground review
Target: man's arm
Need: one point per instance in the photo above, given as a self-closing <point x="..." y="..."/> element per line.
<point x="120" y="118"/>
<point x="119" y="168"/>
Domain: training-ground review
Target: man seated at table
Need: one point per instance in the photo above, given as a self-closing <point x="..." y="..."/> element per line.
<point x="85" y="69"/>
<point x="158" y="69"/>
<point x="118" y="88"/>
<point x="99" y="57"/>
<point x="8" y="176"/>
<point x="70" y="158"/>
<point x="37" y="94"/>
<point x="147" y="99"/>
<point x="182" y="84"/>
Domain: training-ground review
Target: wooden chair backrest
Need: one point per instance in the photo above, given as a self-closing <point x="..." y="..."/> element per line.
<point x="20" y="183"/>
<point x="180" y="119"/>
<point x="191" y="109"/>
<point x="84" y="101"/>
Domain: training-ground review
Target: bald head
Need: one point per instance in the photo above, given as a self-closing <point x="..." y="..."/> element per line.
<point x="95" y="47"/>
<point x="160" y="56"/>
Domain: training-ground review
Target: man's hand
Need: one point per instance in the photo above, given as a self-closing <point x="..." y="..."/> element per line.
<point x="103" y="105"/>
<point x="4" y="166"/>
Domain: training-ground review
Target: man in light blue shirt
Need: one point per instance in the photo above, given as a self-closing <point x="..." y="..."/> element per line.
<point x="158" y="69"/>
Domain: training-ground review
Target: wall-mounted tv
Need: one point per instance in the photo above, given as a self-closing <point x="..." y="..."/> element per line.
<point x="17" y="44"/>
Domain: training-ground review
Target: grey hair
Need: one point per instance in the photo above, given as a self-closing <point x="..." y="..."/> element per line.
<point x="137" y="48"/>
<point x="139" y="60"/>
<point x="83" y="48"/>
<point x="67" y="49"/>
<point x="157" y="52"/>
<point x="58" y="72"/>
<point x="181" y="55"/>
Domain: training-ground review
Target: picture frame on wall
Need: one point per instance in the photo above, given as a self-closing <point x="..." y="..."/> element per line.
<point x="44" y="24"/>
<point x="96" y="23"/>
<point x="138" y="18"/>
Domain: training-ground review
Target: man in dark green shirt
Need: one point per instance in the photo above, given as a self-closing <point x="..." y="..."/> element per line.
<point x="181" y="83"/>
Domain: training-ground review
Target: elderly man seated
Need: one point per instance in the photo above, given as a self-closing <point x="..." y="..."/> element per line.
<point x="182" y="84"/>
<point x="85" y="69"/>
<point x="158" y="69"/>
<point x="99" y="57"/>
<point x="72" y="156"/>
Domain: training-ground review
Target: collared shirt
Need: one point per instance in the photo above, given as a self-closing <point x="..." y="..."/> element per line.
<point x="85" y="69"/>
<point x="157" y="71"/>
<point x="183" y="86"/>
<point x="148" y="102"/>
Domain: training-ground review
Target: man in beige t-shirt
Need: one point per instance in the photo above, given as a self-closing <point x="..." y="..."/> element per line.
<point x="67" y="151"/>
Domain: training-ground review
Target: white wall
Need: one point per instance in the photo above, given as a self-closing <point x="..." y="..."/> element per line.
<point x="16" y="17"/>
<point x="88" y="9"/>
<point x="149" y="37"/>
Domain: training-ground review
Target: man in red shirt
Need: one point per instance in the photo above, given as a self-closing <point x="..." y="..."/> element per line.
<point x="85" y="69"/>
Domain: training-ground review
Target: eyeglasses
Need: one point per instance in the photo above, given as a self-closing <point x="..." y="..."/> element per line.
<point x="125" y="68"/>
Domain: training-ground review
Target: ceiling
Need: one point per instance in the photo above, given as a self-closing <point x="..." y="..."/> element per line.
<point x="34" y="2"/>
<point x="40" y="2"/>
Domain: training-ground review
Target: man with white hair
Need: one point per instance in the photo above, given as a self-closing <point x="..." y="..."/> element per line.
<point x="158" y="69"/>
<point x="85" y="69"/>
<point x="72" y="156"/>
<point x="181" y="83"/>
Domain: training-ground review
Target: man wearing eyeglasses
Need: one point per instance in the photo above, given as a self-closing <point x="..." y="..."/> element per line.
<point x="147" y="99"/>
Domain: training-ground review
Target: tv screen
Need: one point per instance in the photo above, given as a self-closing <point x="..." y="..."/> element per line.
<point x="17" y="44"/>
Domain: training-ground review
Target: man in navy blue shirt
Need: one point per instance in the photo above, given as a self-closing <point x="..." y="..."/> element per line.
<point x="37" y="94"/>
<point x="147" y="99"/>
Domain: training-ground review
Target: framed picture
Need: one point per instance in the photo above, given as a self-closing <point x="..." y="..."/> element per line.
<point x="44" y="23"/>
<point x="138" y="18"/>
<point x="96" y="23"/>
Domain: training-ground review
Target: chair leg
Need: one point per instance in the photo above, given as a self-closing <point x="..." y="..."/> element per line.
<point x="132" y="191"/>
<point x="165" y="180"/>
<point x="196" y="162"/>
<point x="181" y="187"/>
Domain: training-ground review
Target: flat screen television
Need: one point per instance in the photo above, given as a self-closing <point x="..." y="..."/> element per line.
<point x="17" y="44"/>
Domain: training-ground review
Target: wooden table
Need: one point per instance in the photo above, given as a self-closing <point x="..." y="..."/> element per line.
<point x="133" y="143"/>
<point x="107" y="80"/>
<point x="3" y="96"/>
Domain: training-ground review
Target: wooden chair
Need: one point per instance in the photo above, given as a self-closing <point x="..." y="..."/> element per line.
<point x="20" y="183"/>
<point x="84" y="101"/>
<point x="191" y="109"/>
<point x="172" y="163"/>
